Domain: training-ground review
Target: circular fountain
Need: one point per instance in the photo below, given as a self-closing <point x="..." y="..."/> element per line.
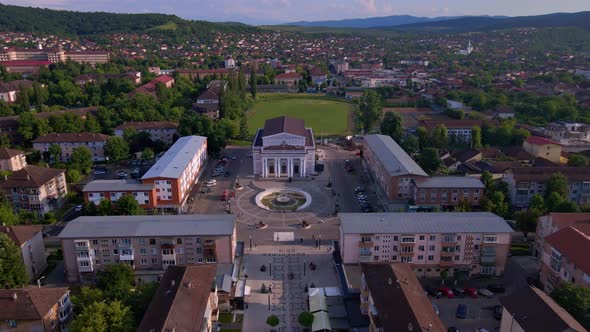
<point x="283" y="199"/>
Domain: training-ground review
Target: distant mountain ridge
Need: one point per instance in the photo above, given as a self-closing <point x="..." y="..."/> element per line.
<point x="372" y="22"/>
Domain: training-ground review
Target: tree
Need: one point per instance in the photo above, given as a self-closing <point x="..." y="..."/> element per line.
<point x="91" y="124"/>
<point x="369" y="110"/>
<point x="243" y="128"/>
<point x="116" y="281"/>
<point x="527" y="221"/>
<point x="147" y="154"/>
<point x="253" y="87"/>
<point x="104" y="317"/>
<point x="85" y="297"/>
<point x="116" y="148"/>
<point x="7" y="215"/>
<point x="105" y="208"/>
<point x="55" y="152"/>
<point x="392" y="125"/>
<point x="423" y="138"/>
<point x="575" y="299"/>
<point x="496" y="203"/>
<point x="272" y="321"/>
<point x="476" y="137"/>
<point x="305" y="319"/>
<point x="12" y="269"/>
<point x="23" y="99"/>
<point x="430" y="160"/>
<point x="577" y="160"/>
<point x="440" y="137"/>
<point x="537" y="202"/>
<point x="73" y="176"/>
<point x="141" y="299"/>
<point x="410" y="144"/>
<point x="557" y="183"/>
<point x="82" y="159"/>
<point x="463" y="206"/>
<point x="487" y="179"/>
<point x="128" y="206"/>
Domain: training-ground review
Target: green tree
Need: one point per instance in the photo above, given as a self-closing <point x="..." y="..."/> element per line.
<point x="392" y="125"/>
<point x="369" y="110"/>
<point x="23" y="99"/>
<point x="440" y="137"/>
<point x="105" y="208"/>
<point x="463" y="206"/>
<point x="305" y="319"/>
<point x="116" y="148"/>
<point x="487" y="179"/>
<point x="104" y="317"/>
<point x="272" y="320"/>
<point x="7" y="215"/>
<point x="476" y="137"/>
<point x="575" y="299"/>
<point x="85" y="297"/>
<point x="147" y="154"/>
<point x="73" y="175"/>
<point x="116" y="281"/>
<point x="12" y="269"/>
<point x="557" y="184"/>
<point x="253" y="87"/>
<point x="55" y="152"/>
<point x="423" y="137"/>
<point x="128" y="206"/>
<point x="496" y="203"/>
<point x="142" y="296"/>
<point x="82" y="159"/>
<point x="430" y="160"/>
<point x="410" y="144"/>
<point x="527" y="220"/>
<point x="577" y="160"/>
<point x="243" y="128"/>
<point x="537" y="202"/>
<point x="91" y="124"/>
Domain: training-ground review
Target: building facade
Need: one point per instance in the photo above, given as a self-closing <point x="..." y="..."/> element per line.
<point x="164" y="131"/>
<point x="283" y="148"/>
<point x="551" y="223"/>
<point x="289" y="79"/>
<point x="36" y="189"/>
<point x="44" y="309"/>
<point x="391" y="167"/>
<point x="149" y="244"/>
<point x="12" y="160"/>
<point x="457" y="130"/>
<point x="525" y="182"/>
<point x="543" y="147"/>
<point x="468" y="243"/>
<point x="70" y="141"/>
<point x="446" y="192"/>
<point x="111" y="190"/>
<point x="30" y="240"/>
<point x="568" y="131"/>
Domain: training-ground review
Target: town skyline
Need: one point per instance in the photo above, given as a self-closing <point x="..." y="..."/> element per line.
<point x="261" y="12"/>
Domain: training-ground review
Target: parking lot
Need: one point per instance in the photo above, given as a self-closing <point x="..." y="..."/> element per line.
<point x="480" y="312"/>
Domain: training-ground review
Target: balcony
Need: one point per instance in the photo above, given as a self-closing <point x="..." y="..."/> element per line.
<point x="126" y="255"/>
<point x="209" y="244"/>
<point x="366" y="244"/>
<point x="169" y="257"/>
<point x="84" y="268"/>
<point x="488" y="260"/>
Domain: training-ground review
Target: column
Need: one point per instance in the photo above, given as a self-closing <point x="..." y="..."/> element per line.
<point x="290" y="166"/>
<point x="301" y="165"/>
<point x="277" y="167"/>
<point x="264" y="170"/>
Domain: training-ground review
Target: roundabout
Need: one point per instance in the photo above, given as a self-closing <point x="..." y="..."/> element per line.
<point x="283" y="199"/>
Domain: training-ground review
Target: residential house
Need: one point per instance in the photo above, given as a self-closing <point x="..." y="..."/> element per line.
<point x="551" y="223"/>
<point x="70" y="141"/>
<point x="150" y="88"/>
<point x="462" y="243"/>
<point x="35" y="309"/>
<point x="529" y="309"/>
<point x="164" y="131"/>
<point x="199" y="74"/>
<point x="12" y="160"/>
<point x="149" y="244"/>
<point x="186" y="300"/>
<point x="90" y="57"/>
<point x="459" y="130"/>
<point x="30" y="240"/>
<point x="543" y="147"/>
<point x="289" y="79"/>
<point x="318" y="76"/>
<point x="446" y="191"/>
<point x="36" y="189"/>
<point x="394" y="300"/>
<point x="112" y="190"/>
<point x="9" y="90"/>
<point x="208" y="103"/>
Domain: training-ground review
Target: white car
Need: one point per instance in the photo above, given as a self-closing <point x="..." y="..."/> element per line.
<point x="211" y="181"/>
<point x="485" y="292"/>
<point x="209" y="185"/>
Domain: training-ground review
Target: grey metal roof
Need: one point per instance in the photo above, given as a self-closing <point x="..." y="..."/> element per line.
<point x="136" y="226"/>
<point x="392" y="156"/>
<point x="176" y="159"/>
<point x="422" y="223"/>
<point x="117" y="185"/>
<point x="450" y="182"/>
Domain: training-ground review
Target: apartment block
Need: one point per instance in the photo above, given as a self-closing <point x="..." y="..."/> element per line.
<point x="36" y="189"/>
<point x="30" y="240"/>
<point x="35" y="309"/>
<point x="543" y="147"/>
<point x="529" y="309"/>
<point x="551" y="223"/>
<point x="393" y="169"/>
<point x="159" y="130"/>
<point x="70" y="141"/>
<point x="565" y="257"/>
<point x="525" y="182"/>
<point x="394" y="300"/>
<point x="446" y="191"/>
<point x="458" y="130"/>
<point x="463" y="243"/>
<point x="186" y="300"/>
<point x="12" y="160"/>
<point x="149" y="244"/>
<point x="90" y="57"/>
<point x="111" y="190"/>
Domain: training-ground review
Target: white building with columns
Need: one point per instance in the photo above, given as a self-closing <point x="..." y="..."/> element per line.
<point x="283" y="148"/>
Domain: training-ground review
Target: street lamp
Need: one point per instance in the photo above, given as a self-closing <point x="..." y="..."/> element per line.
<point x="270" y="268"/>
<point x="320" y="241"/>
<point x="250" y="242"/>
<point x="39" y="281"/>
<point x="304" y="267"/>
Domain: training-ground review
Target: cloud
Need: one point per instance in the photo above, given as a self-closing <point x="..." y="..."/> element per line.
<point x="368" y="6"/>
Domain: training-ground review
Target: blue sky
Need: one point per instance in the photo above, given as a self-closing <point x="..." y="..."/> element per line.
<point x="279" y="11"/>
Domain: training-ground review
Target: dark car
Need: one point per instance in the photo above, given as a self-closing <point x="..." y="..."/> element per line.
<point x="453" y="329"/>
<point x="462" y="311"/>
<point x="498" y="312"/>
<point x="497" y="288"/>
<point x="434" y="292"/>
<point x="458" y="292"/>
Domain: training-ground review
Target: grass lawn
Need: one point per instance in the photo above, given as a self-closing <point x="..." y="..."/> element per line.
<point x="325" y="116"/>
<point x="520" y="249"/>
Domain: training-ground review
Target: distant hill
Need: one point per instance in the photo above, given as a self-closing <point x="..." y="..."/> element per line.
<point x="476" y="24"/>
<point x="40" y="20"/>
<point x="370" y="22"/>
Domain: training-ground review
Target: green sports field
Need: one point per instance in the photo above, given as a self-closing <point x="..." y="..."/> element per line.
<point x="324" y="116"/>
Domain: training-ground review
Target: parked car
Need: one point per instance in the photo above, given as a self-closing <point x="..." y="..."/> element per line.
<point x="471" y="292"/>
<point x="78" y="208"/>
<point x="498" y="312"/>
<point x="359" y="189"/>
<point x="497" y="288"/>
<point x="446" y="291"/>
<point x="485" y="292"/>
<point x="461" y="311"/>
<point x="433" y="292"/>
<point x="99" y="171"/>
<point x="211" y="181"/>
<point x="436" y="309"/>
<point x="206" y="190"/>
<point x="233" y="157"/>
<point x="458" y="292"/>
<point x="453" y="329"/>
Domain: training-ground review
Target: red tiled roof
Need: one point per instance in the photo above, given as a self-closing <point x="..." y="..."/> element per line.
<point x="574" y="243"/>
<point x="288" y="76"/>
<point x="30" y="303"/>
<point x="163" y="79"/>
<point x="31" y="176"/>
<point x="9" y="153"/>
<point x="21" y="233"/>
<point x="71" y="137"/>
<point x="540" y="140"/>
<point x="148" y="125"/>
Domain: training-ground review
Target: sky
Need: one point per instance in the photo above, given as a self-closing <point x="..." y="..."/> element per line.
<point x="281" y="11"/>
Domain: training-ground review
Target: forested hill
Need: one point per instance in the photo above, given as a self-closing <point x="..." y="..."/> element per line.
<point x="475" y="24"/>
<point x="47" y="21"/>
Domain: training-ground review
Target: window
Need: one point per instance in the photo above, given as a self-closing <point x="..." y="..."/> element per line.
<point x="421" y="248"/>
<point x="422" y="237"/>
<point x="12" y="323"/>
<point x="420" y="257"/>
<point x="97" y="262"/>
<point x="406" y="259"/>
<point x="143" y="251"/>
<point x="154" y="251"/>
<point x="178" y="240"/>
<point x="408" y="239"/>
<point x="376" y="248"/>
<point x="143" y="261"/>
<point x="95" y="242"/>
<point x="154" y="261"/>
<point x="430" y="257"/>
<point x="141" y="241"/>
<point x="114" y="241"/>
<point x="152" y="241"/>
<point x="394" y="258"/>
<point x="432" y="237"/>
<point x="167" y="251"/>
<point x="84" y="263"/>
<point x="431" y="248"/>
<point x="395" y="238"/>
<point x="407" y="249"/>
<point x="456" y="257"/>
<point x="115" y="251"/>
<point x="490" y="239"/>
<point x="126" y="241"/>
